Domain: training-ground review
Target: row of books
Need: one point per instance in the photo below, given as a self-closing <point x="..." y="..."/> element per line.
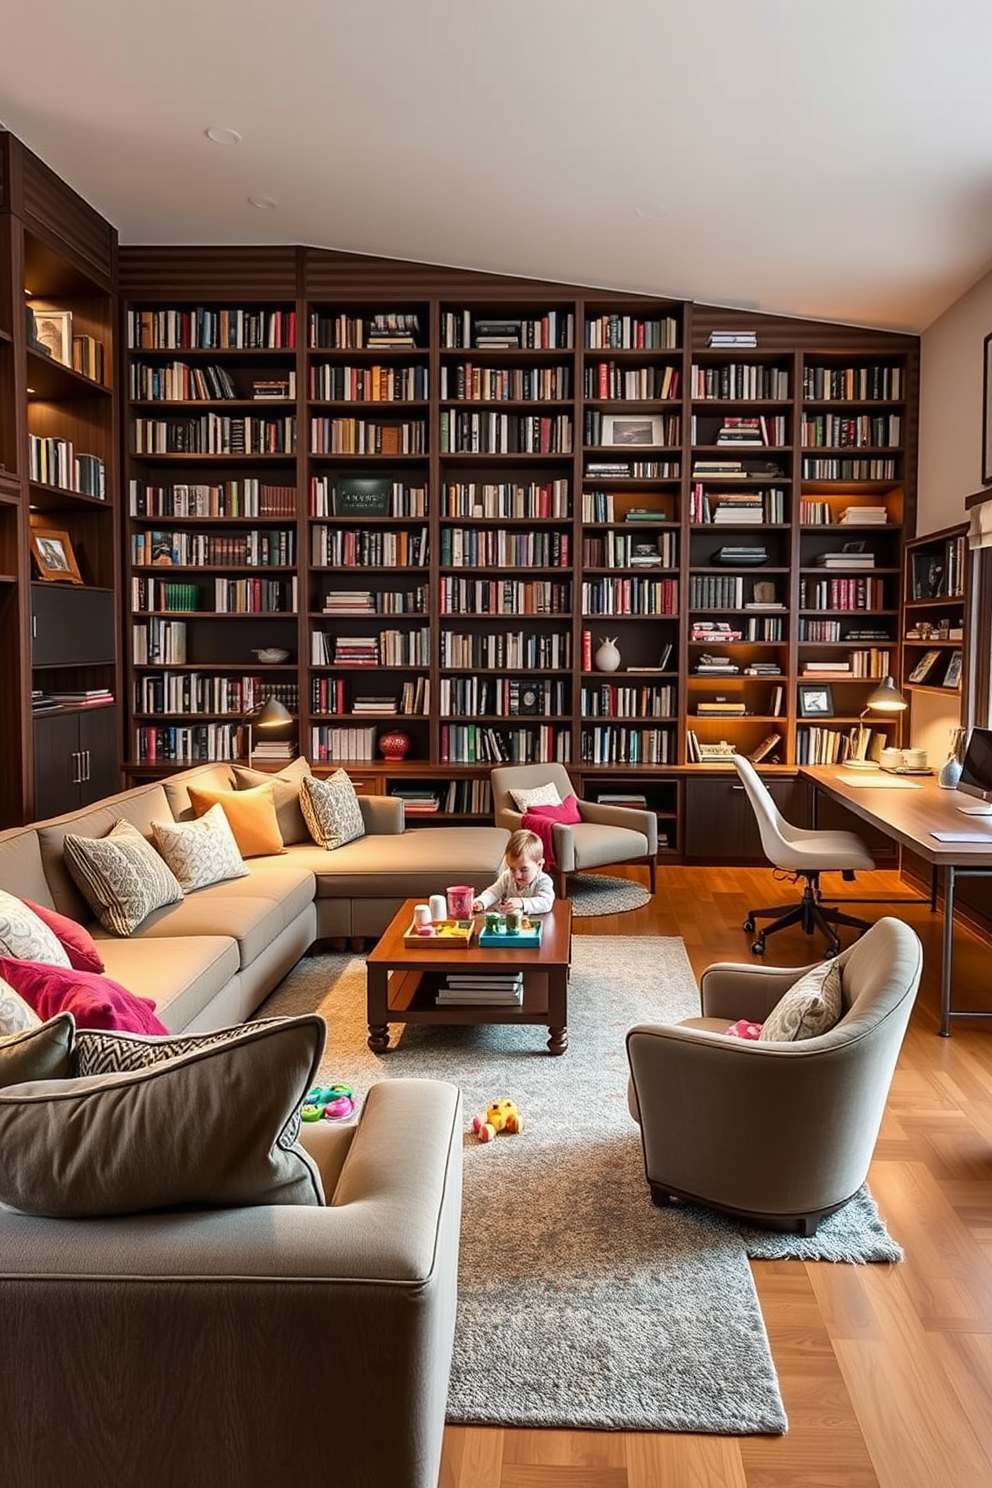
<point x="232" y="498"/>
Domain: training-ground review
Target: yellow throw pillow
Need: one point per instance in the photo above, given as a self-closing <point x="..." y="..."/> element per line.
<point x="250" y="813"/>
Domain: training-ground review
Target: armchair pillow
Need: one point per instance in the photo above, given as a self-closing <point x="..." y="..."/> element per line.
<point x="75" y="939"/>
<point x="538" y="795"/>
<point x="541" y="819"/>
<point x="331" y="810"/>
<point x="94" y="1001"/>
<point x="200" y="852"/>
<point x="810" y="1007"/>
<point x="24" y="933"/>
<point x="251" y="815"/>
<point x="120" y="876"/>
<point x="212" y="1128"/>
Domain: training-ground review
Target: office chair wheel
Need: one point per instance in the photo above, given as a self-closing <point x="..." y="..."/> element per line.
<point x="758" y="947"/>
<point x="748" y="924"/>
<point x="831" y="952"/>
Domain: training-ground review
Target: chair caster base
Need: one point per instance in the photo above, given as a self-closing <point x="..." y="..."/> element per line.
<point x="758" y="947"/>
<point x="748" y="924"/>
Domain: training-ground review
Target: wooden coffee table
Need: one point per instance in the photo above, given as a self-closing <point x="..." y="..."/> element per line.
<point x="403" y="980"/>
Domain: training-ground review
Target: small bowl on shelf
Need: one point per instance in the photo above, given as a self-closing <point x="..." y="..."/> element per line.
<point x="271" y="654"/>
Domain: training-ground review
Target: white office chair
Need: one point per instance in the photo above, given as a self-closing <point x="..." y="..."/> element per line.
<point x="805" y="854"/>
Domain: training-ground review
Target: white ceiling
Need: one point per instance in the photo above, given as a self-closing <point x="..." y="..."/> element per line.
<point x="828" y="160"/>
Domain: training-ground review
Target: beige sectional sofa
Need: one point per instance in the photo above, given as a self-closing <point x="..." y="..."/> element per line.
<point x="210" y="959"/>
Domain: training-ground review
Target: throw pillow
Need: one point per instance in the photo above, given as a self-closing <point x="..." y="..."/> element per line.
<point x="810" y="1007"/>
<point x="16" y="1015"/>
<point x="212" y="1128"/>
<point x="94" y="1001"/>
<point x="39" y="1053"/>
<point x="539" y="795"/>
<point x="251" y="815"/>
<point x="541" y="819"/>
<point x="75" y="939"/>
<point x="120" y="876"/>
<point x="200" y="852"/>
<point x="23" y="933"/>
<point x="99" y="1051"/>
<point x="331" y="810"/>
<point x="744" y="1030"/>
<point x="286" y="793"/>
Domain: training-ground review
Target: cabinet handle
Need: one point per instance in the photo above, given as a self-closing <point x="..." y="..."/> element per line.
<point x="34" y="627"/>
<point x="76" y="767"/>
<point x="86" y="764"/>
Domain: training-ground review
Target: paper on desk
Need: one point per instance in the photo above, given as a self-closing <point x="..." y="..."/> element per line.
<point x="963" y="837"/>
<point x="878" y="782"/>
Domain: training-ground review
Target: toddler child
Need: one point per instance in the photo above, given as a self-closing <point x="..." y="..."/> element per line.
<point x="523" y="883"/>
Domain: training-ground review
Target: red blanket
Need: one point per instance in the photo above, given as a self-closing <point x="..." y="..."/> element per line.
<point x="541" y="819"/>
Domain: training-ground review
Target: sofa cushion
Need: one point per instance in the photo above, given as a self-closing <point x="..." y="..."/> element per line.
<point x="16" y="1015"/>
<point x="212" y="1127"/>
<point x="139" y="806"/>
<point x="250" y="813"/>
<point x="412" y="864"/>
<point x="183" y="978"/>
<point x="286" y="793"/>
<point x="331" y="810"/>
<point x="24" y="934"/>
<point x="75" y="939"/>
<point x="39" y="1053"/>
<point x="121" y="875"/>
<point x="810" y="1007"/>
<point x="95" y="1001"/>
<point x="200" y="852"/>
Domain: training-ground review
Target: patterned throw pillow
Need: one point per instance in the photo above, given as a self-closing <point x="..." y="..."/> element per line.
<point x="200" y="852"/>
<point x="25" y="935"/>
<point x="121" y="876"/>
<point x="211" y="1128"/>
<point x="810" y="1007"/>
<point x="16" y="1015"/>
<point x="106" y="1052"/>
<point x="331" y="810"/>
<point x="539" y="795"/>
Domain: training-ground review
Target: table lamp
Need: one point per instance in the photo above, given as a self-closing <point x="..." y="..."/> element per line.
<point x="268" y="715"/>
<point x="885" y="699"/>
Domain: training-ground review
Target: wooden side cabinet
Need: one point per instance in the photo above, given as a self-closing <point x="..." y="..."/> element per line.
<point x="75" y="759"/>
<point x="720" y="826"/>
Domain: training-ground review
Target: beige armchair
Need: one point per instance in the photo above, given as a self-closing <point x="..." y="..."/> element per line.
<point x="605" y="835"/>
<point x="779" y="1134"/>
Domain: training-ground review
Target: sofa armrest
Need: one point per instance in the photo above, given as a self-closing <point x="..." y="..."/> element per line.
<point x="734" y="990"/>
<point x="383" y="815"/>
<point x="630" y="817"/>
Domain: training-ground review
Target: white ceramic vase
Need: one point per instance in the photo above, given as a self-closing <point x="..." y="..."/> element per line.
<point x="607" y="656"/>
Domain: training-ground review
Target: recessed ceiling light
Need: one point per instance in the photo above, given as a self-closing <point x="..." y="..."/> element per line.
<point x="651" y="211"/>
<point x="223" y="136"/>
<point x="263" y="203"/>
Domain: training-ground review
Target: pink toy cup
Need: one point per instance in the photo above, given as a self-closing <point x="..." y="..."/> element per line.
<point x="460" y="897"/>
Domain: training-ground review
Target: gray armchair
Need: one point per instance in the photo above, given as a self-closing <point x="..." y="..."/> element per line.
<point x="779" y="1134"/>
<point x="605" y="835"/>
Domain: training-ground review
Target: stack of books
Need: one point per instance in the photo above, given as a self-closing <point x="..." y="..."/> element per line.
<point x="747" y="507"/>
<point x="370" y="705"/>
<point x="721" y="708"/>
<point x="864" y="516"/>
<point x="418" y="802"/>
<point x="497" y="333"/>
<point x="271" y="749"/>
<point x="393" y="329"/>
<point x="356" y="651"/>
<point x="742" y="431"/>
<point x="846" y="560"/>
<point x="715" y="666"/>
<point x="82" y="698"/>
<point x="631" y="799"/>
<point x="733" y="338"/>
<point x="505" y="990"/>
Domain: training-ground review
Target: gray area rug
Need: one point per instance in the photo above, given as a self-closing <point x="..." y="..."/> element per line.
<point x="580" y="1303"/>
<point x="599" y="894"/>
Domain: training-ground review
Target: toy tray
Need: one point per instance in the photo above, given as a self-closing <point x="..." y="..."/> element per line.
<point x="508" y="942"/>
<point x="454" y="935"/>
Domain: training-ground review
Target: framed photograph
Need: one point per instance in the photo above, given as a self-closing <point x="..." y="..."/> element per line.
<point x="53" y="556"/>
<point x="928" y="575"/>
<point x="53" y="334"/>
<point x="815" y="700"/>
<point x="363" y="496"/>
<point x="952" y="677"/>
<point x="924" y="666"/>
<point x="632" y="430"/>
<point x="987" y="411"/>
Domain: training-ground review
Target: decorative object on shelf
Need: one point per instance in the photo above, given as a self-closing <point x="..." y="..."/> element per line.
<point x="885" y="699"/>
<point x="53" y="556"/>
<point x="395" y="745"/>
<point x="271" y="714"/>
<point x="815" y="700"/>
<point x="632" y="429"/>
<point x="52" y="334"/>
<point x="607" y="656"/>
<point x="950" y="771"/>
<point x="271" y="654"/>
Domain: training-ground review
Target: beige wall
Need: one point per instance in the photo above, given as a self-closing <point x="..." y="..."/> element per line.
<point x="951" y="386"/>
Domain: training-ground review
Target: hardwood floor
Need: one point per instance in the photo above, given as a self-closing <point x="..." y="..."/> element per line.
<point x="886" y="1372"/>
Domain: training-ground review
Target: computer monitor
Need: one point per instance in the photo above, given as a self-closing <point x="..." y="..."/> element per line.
<point x="976" y="771"/>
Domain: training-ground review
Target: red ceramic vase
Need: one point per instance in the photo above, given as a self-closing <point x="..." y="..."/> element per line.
<point x="394" y="745"/>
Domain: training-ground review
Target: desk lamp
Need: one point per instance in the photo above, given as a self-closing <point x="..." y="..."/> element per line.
<point x="268" y="715"/>
<point x="886" y="698"/>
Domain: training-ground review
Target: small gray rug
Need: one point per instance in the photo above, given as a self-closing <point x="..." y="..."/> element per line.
<point x="598" y="894"/>
<point x="580" y="1304"/>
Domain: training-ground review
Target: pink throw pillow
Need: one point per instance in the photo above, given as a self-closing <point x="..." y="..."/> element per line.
<point x="541" y="819"/>
<point x="94" y="1001"/>
<point x="744" y="1029"/>
<point x="75" y="939"/>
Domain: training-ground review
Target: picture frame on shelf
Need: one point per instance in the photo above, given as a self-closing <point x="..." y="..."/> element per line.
<point x="929" y="576"/>
<point x="987" y="411"/>
<point x="363" y="496"/>
<point x="815" y="700"/>
<point x="632" y="430"/>
<point x="952" y="677"/>
<point x="54" y="557"/>
<point x="52" y="334"/>
<point x="924" y="667"/>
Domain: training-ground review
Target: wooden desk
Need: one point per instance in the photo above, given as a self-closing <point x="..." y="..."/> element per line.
<point x="910" y="817"/>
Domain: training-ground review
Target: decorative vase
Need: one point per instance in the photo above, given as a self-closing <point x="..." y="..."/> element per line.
<point x="395" y="745"/>
<point x="607" y="656"/>
<point x="950" y="771"/>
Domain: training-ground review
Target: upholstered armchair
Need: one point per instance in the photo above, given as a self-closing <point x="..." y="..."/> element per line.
<point x="776" y="1133"/>
<point x="604" y="834"/>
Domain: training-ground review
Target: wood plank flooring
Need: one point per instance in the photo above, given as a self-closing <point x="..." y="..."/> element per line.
<point x="886" y="1372"/>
